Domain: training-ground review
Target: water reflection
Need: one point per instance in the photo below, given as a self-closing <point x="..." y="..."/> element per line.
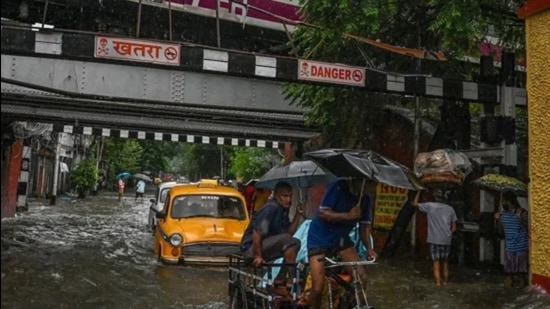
<point x="97" y="253"/>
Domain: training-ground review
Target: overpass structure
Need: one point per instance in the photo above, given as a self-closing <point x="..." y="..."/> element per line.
<point x="116" y="86"/>
<point x="106" y="85"/>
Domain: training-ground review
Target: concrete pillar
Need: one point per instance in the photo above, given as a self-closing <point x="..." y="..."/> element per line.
<point x="23" y="185"/>
<point x="486" y="202"/>
<point x="508" y="111"/>
<point x="53" y="197"/>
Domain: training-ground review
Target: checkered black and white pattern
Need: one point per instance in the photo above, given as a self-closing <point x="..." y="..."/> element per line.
<point x="163" y="136"/>
<point x="23" y="183"/>
<point x="248" y="65"/>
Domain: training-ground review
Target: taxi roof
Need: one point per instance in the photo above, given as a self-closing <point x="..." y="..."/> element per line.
<point x="163" y="185"/>
<point x="205" y="186"/>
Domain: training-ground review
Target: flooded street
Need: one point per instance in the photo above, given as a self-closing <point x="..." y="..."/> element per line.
<point x="97" y="253"/>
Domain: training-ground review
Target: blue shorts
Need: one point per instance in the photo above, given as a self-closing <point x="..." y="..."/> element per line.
<point x="440" y="252"/>
<point x="345" y="243"/>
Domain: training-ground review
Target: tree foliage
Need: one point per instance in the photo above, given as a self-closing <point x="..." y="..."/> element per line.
<point x="85" y="176"/>
<point x="455" y="26"/>
<point x="249" y="163"/>
<point x="122" y="155"/>
<point x="157" y="155"/>
<point x="197" y="161"/>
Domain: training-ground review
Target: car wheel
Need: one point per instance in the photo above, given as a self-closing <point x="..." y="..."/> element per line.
<point x="237" y="299"/>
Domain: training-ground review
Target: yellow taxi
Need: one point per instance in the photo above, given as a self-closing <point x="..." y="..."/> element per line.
<point x="201" y="223"/>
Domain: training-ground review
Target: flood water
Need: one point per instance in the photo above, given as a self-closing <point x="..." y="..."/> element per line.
<point x="97" y="253"/>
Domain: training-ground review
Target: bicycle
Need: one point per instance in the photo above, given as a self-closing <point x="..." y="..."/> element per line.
<point x="355" y="295"/>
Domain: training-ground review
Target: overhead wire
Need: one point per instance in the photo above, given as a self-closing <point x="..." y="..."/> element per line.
<point x="417" y="53"/>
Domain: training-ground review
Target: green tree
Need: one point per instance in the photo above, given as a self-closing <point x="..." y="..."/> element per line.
<point x="199" y="161"/>
<point x="122" y="155"/>
<point x="85" y="176"/>
<point x="248" y="163"/>
<point x="157" y="156"/>
<point x="346" y="114"/>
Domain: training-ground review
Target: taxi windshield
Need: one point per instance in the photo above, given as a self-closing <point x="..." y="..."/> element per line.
<point x="216" y="206"/>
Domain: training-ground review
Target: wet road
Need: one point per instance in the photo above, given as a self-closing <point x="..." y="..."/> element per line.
<point x="97" y="253"/>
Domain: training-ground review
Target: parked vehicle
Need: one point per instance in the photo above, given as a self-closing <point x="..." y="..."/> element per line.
<point x="157" y="203"/>
<point x="200" y="224"/>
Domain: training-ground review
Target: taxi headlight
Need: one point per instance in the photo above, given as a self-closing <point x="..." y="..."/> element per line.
<point x="176" y="239"/>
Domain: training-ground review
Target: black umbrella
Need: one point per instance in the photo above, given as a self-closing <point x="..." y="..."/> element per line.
<point x="299" y="174"/>
<point x="368" y="164"/>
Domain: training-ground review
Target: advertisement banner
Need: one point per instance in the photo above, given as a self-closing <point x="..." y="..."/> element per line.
<point x="136" y="50"/>
<point x="389" y="201"/>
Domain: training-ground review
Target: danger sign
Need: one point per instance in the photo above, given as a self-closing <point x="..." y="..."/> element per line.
<point x="331" y="73"/>
<point x="136" y="50"/>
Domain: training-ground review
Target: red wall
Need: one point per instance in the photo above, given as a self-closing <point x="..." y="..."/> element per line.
<point x="9" y="197"/>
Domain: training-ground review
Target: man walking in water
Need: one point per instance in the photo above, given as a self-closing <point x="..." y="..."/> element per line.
<point x="140" y="189"/>
<point x="441" y="226"/>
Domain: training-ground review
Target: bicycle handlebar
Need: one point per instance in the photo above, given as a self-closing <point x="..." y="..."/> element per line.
<point x="357" y="263"/>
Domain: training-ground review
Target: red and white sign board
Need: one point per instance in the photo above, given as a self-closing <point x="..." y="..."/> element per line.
<point x="331" y="73"/>
<point x="136" y="50"/>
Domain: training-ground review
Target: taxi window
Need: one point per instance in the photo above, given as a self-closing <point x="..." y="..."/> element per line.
<point x="163" y="195"/>
<point x="231" y="208"/>
<point x="215" y="206"/>
<point x="166" y="202"/>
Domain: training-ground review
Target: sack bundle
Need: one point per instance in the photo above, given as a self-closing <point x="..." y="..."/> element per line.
<point x="443" y="166"/>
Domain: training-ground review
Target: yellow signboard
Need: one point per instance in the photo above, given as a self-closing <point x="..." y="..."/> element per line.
<point x="389" y="201"/>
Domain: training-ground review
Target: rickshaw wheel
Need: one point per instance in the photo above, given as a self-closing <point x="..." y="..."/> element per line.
<point x="347" y="301"/>
<point x="237" y="300"/>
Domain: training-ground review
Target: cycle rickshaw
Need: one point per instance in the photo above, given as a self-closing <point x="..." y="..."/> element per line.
<point x="251" y="287"/>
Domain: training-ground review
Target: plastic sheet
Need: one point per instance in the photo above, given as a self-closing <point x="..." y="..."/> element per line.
<point x="442" y="166"/>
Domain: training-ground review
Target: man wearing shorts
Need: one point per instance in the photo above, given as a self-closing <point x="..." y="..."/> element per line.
<point x="441" y="226"/>
<point x="140" y="189"/>
<point x="340" y="210"/>
<point x="269" y="235"/>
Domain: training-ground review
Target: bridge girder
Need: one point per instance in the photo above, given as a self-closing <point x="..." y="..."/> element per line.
<point x="67" y="63"/>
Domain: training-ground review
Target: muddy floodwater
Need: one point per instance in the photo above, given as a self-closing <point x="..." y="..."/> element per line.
<point x="97" y="253"/>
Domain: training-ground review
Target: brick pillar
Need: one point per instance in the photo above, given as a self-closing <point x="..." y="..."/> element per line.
<point x="288" y="153"/>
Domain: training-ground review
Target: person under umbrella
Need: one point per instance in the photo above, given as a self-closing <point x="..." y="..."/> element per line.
<point x="514" y="220"/>
<point x="120" y="188"/>
<point x="342" y="206"/>
<point x="140" y="189"/>
<point x="269" y="236"/>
